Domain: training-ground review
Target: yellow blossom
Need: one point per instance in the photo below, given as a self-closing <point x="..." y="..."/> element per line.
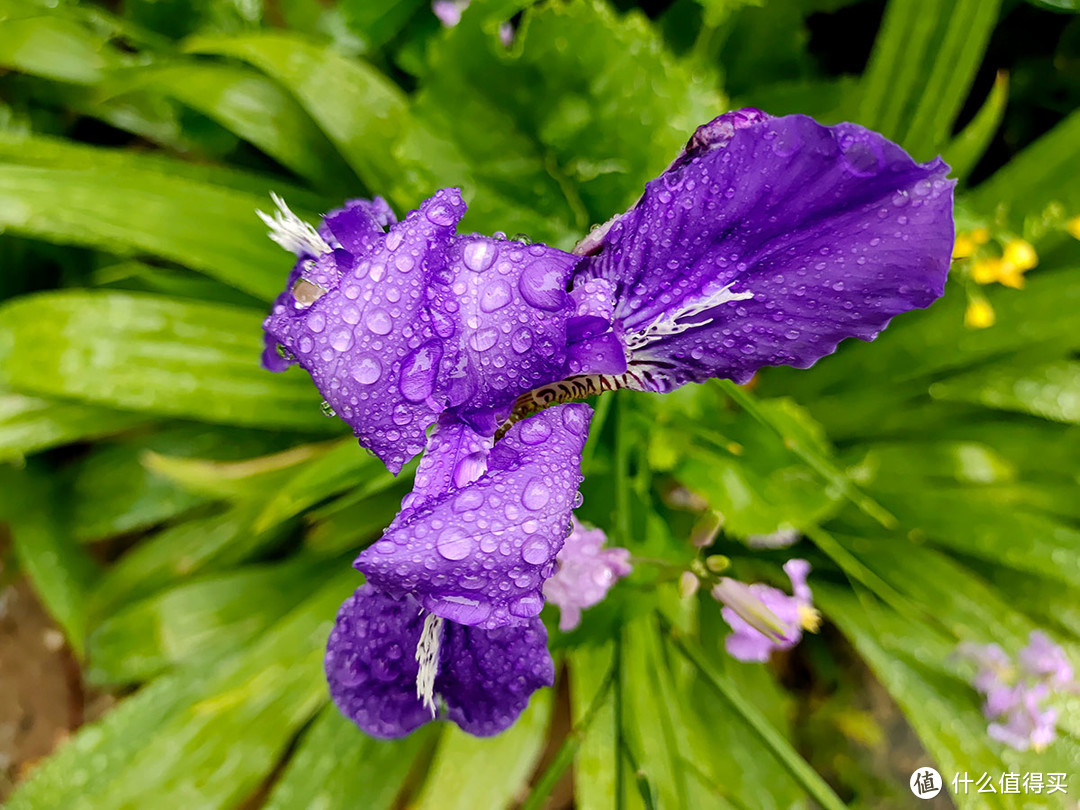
<point x="1020" y="254"/>
<point x="1073" y="227"/>
<point x="964" y="246"/>
<point x="979" y="314"/>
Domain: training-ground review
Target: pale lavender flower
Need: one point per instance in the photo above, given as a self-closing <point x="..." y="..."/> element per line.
<point x="764" y="618"/>
<point x="586" y="572"/>
<point x="1016" y="692"/>
<point x="449" y="11"/>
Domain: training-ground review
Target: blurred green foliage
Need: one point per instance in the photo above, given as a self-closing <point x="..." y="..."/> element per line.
<point x="188" y="519"/>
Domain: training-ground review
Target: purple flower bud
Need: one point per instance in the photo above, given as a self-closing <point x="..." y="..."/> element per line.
<point x="586" y="572"/>
<point x="449" y="11"/>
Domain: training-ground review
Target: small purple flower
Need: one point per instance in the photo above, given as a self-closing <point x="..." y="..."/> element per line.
<point x="478" y="552"/>
<point x="1016" y="692"/>
<point x="1044" y="660"/>
<point x="397" y="327"/>
<point x="388" y="662"/>
<point x="586" y="572"/>
<point x="766" y="242"/>
<point x="449" y="11"/>
<point x="764" y="618"/>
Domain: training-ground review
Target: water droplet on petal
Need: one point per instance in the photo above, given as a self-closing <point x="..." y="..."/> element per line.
<point x="495" y="296"/>
<point x="378" y="321"/>
<point x="366" y="369"/>
<point x="536" y="494"/>
<point x="534" y="431"/>
<point x="541" y="284"/>
<point x="535" y="552"/>
<point x="479" y="255"/>
<point x="419" y="370"/>
<point x="454" y="544"/>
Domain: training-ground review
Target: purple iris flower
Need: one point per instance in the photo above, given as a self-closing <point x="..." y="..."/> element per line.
<point x="1015" y="692"/>
<point x="586" y="573"/>
<point x="764" y="618"/>
<point x="454" y="585"/>
<point x="396" y="327"/>
<point x="766" y="242"/>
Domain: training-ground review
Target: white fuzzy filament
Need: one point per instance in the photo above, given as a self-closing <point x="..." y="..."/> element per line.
<point x="291" y="232"/>
<point x="427" y="656"/>
<point x="675" y="323"/>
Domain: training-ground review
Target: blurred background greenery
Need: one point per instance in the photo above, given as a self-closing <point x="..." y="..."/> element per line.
<point x="180" y="523"/>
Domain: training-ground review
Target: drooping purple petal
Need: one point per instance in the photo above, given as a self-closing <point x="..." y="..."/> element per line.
<point x="479" y="555"/>
<point x="508" y="305"/>
<point x="766" y="243"/>
<point x="484" y="677"/>
<point x="586" y="573"/>
<point x="371" y="663"/>
<point x="368" y="341"/>
<point x="487" y="676"/>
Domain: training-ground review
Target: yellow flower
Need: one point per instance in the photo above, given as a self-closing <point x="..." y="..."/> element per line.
<point x="1009" y="268"/>
<point x="1021" y="255"/>
<point x="1073" y="227"/>
<point x="968" y="242"/>
<point x="979" y="314"/>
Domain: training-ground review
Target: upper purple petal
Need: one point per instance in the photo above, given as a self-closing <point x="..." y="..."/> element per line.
<point x="508" y="306"/>
<point x="369" y="342"/>
<point x="487" y="676"/>
<point x="773" y="240"/>
<point x="479" y="555"/>
<point x="371" y="663"/>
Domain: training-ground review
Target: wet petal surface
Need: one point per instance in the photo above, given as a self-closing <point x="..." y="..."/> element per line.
<point x="769" y="242"/>
<point x="479" y="554"/>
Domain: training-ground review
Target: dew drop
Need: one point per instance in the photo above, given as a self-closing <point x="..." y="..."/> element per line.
<point x="536" y="494"/>
<point x="479" y="255"/>
<point x="495" y="296"/>
<point x="454" y="544"/>
<point x="378" y="320"/>
<point x="366" y="370"/>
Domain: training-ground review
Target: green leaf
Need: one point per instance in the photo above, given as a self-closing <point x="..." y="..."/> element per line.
<point x="1050" y="390"/>
<point x="59" y="568"/>
<point x="967" y="148"/>
<point x="59" y="153"/>
<point x="251" y="478"/>
<point x="29" y="424"/>
<point x="607" y="110"/>
<point x="206" y="542"/>
<point x="759" y="726"/>
<point x="376" y="22"/>
<point x="251" y="106"/>
<point x="360" y="110"/>
<point x="152" y="355"/>
<point x="208" y="228"/>
<point x="56" y="47"/>
<point x="955" y="61"/>
<point x="345" y="466"/>
<point x="205" y="737"/>
<point x="338" y="767"/>
<point x="196" y="623"/>
<point x="594" y="765"/>
<point x="470" y="772"/>
<point x="1038" y="175"/>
